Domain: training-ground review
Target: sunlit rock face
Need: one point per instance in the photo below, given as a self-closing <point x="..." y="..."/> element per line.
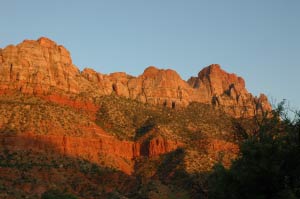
<point x="36" y="66"/>
<point x="228" y="91"/>
<point x="45" y="68"/>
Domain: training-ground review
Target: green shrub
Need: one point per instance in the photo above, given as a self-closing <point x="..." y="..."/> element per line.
<point x="268" y="167"/>
<point x="56" y="194"/>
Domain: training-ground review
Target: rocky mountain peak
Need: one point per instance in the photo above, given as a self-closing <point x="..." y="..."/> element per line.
<point x="150" y="71"/>
<point x="154" y="72"/>
<point x="46" y="42"/>
<point x="35" y="66"/>
<point x="213" y="68"/>
<point x="45" y="68"/>
<point x="220" y="80"/>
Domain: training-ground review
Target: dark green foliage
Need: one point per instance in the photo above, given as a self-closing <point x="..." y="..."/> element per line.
<point x="148" y="125"/>
<point x="269" y="163"/>
<point x="130" y="120"/>
<point x="56" y="194"/>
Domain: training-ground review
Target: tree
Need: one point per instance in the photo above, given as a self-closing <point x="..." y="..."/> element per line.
<point x="268" y="165"/>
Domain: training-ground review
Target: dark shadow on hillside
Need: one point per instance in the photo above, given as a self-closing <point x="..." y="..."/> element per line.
<point x="148" y="125"/>
<point x="172" y="171"/>
<point x="165" y="176"/>
<point x="7" y="131"/>
<point x="30" y="166"/>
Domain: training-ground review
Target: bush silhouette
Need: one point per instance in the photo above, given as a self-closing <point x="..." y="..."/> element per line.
<point x="268" y="165"/>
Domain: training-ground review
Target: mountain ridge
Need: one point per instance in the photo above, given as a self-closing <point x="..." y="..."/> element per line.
<point x="45" y="68"/>
<point x="114" y="135"/>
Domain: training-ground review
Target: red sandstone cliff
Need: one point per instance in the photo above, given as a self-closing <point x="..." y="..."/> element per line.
<point x="227" y="90"/>
<point x="44" y="68"/>
<point x="37" y="67"/>
<point x="95" y="150"/>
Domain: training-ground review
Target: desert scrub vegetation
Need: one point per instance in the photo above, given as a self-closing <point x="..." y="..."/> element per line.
<point x="129" y="119"/>
<point x="20" y="114"/>
<point x="124" y="117"/>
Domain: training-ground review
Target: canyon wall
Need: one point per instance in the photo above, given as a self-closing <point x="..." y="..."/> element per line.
<point x="45" y="69"/>
<point x="95" y="150"/>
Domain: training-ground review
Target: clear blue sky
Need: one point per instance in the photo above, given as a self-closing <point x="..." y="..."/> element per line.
<point x="256" y="39"/>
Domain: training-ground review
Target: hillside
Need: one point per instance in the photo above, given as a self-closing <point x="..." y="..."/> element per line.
<point x="114" y="136"/>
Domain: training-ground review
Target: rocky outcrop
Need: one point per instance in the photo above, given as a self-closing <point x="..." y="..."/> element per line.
<point x="77" y="147"/>
<point x="154" y="86"/>
<point x="157" y="146"/>
<point x="44" y="68"/>
<point x="228" y="91"/>
<point x="91" y="149"/>
<point x="165" y="88"/>
<point x="38" y="66"/>
<point x="161" y="87"/>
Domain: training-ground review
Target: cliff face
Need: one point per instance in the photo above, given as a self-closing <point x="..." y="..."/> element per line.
<point x="227" y="90"/>
<point x="165" y="88"/>
<point x="154" y="86"/>
<point x="95" y="150"/>
<point x="44" y="68"/>
<point x="36" y="67"/>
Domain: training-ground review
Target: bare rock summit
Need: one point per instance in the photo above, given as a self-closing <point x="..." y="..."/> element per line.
<point x="45" y="68"/>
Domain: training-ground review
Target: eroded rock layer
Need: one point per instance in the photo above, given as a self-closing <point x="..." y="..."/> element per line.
<point x="92" y="149"/>
<point x="44" y="68"/>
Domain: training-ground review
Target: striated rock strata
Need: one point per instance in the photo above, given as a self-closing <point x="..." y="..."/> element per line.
<point x="220" y="88"/>
<point x="92" y="149"/>
<point x="45" y="69"/>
